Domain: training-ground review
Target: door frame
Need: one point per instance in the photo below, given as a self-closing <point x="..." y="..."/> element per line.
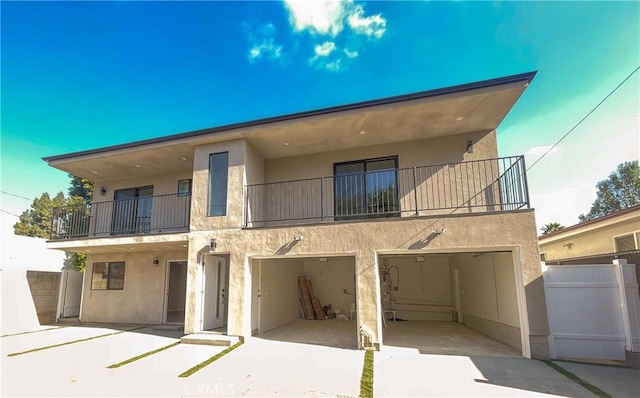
<point x="165" y="306"/>
<point x="225" y="285"/>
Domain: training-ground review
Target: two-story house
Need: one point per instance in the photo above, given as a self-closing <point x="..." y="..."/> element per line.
<point x="397" y="208"/>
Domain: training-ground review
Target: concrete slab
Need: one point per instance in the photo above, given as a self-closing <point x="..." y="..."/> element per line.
<point x="617" y="381"/>
<point x="448" y="338"/>
<point x="402" y="372"/>
<point x="263" y="368"/>
<point x="330" y="333"/>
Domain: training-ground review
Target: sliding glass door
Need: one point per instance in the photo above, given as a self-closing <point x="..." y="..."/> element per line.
<point x="132" y="210"/>
<point x="366" y="189"/>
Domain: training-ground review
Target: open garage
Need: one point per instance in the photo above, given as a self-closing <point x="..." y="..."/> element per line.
<point x="277" y="309"/>
<point x="451" y="303"/>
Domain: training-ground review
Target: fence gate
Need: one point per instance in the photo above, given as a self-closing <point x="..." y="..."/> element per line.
<point x="592" y="310"/>
<point x="70" y="293"/>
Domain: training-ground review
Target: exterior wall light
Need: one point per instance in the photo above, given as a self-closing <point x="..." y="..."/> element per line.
<point x="156" y="262"/>
<point x="103" y="190"/>
<point x="213" y="244"/>
<point x="470" y="146"/>
<point x="298" y="238"/>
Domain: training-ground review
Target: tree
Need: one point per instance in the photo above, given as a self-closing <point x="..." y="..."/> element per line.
<point x="620" y="191"/>
<point x="81" y="187"/>
<point x="36" y="222"/>
<point x="551" y="227"/>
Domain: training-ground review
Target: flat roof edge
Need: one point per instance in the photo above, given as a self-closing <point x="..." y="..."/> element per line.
<point x="528" y="76"/>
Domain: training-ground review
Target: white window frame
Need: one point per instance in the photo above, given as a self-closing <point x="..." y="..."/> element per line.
<point x="636" y="239"/>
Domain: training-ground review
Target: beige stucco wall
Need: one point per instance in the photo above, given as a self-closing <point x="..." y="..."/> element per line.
<point x="585" y="243"/>
<point x="141" y="300"/>
<point x="279" y="302"/>
<point x="162" y="184"/>
<point x="235" y="186"/>
<point x="497" y="231"/>
<point x="329" y="279"/>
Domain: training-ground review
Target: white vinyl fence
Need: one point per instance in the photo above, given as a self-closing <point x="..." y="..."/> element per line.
<point x="593" y="310"/>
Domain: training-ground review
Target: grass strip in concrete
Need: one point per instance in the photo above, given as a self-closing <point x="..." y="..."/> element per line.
<point x="209" y="361"/>
<point x="590" y="387"/>
<point x="33" y="331"/>
<point x="13" y="354"/>
<point x="366" y="381"/>
<point x="146" y="354"/>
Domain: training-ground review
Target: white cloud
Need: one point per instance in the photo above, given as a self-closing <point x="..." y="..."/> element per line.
<point x="350" y="54"/>
<point x="324" y="49"/>
<point x="334" y="66"/>
<point x="263" y="43"/>
<point x="328" y="17"/>
<point x="538" y="151"/>
<point x="321" y="17"/>
<point x="372" y="26"/>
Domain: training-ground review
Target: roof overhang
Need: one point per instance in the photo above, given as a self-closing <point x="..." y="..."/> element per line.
<point x="474" y="107"/>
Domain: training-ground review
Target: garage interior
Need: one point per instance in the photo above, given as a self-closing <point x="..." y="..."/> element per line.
<point x="451" y="303"/>
<point x="277" y="312"/>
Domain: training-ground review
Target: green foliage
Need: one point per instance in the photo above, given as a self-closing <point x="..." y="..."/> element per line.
<point x="81" y="188"/>
<point x="620" y="191"/>
<point x="36" y="221"/>
<point x="79" y="261"/>
<point x="551" y="227"/>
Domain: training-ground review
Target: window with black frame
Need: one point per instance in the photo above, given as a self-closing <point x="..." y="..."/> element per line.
<point x="366" y="189"/>
<point x="107" y="276"/>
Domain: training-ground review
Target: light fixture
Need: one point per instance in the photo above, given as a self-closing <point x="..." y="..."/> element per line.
<point x="155" y="262"/>
<point x="568" y="245"/>
<point x="298" y="238"/>
<point x="137" y="165"/>
<point x="213" y="244"/>
<point x="183" y="158"/>
<point x="439" y="231"/>
<point x="420" y="259"/>
<point x="103" y="190"/>
<point x="286" y="143"/>
<point x="322" y="259"/>
<point x="362" y="132"/>
<point x="94" y="171"/>
<point x="459" y="118"/>
<point x="470" y="146"/>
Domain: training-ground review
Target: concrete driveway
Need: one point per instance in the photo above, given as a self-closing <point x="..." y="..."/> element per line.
<point x="260" y="367"/>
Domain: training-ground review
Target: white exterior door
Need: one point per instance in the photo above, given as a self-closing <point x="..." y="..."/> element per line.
<point x="71" y="293"/>
<point x="214" y="293"/>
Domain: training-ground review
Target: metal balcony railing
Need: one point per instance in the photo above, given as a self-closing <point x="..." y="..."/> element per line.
<point x="476" y="186"/>
<point x="135" y="216"/>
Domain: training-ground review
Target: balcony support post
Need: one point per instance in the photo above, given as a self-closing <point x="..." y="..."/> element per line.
<point x="321" y="199"/>
<point x="415" y="189"/>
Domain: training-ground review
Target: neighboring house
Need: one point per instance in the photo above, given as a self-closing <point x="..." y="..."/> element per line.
<point x="613" y="233"/>
<point x="393" y="207"/>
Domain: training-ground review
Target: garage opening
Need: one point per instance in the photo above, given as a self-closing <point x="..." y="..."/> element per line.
<point x="278" y="312"/>
<point x="451" y="303"/>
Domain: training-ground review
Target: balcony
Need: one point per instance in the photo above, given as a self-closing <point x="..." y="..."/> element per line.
<point x="466" y="187"/>
<point x="136" y="216"/>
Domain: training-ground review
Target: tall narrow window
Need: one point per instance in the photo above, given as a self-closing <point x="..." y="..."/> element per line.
<point x="218" y="176"/>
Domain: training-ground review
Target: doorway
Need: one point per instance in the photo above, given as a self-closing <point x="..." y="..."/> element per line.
<point x="176" y="291"/>
<point x="215" y="285"/>
<point x="132" y="210"/>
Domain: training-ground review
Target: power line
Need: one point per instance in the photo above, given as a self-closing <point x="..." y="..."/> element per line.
<point x="584" y="118"/>
<point x="17" y="196"/>
<point x="8" y="212"/>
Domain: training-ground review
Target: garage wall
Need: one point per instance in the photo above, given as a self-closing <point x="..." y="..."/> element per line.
<point x="488" y="295"/>
<point x="279" y="292"/>
<point x="330" y="279"/>
<point x="255" y="290"/>
<point x="424" y="291"/>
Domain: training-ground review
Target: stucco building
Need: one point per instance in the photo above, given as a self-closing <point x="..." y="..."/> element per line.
<point x="398" y="207"/>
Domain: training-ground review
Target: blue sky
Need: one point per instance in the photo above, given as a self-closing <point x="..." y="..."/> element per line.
<point x="79" y="75"/>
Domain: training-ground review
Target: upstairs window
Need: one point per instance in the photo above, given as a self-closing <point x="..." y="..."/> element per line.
<point x="107" y="276"/>
<point x="627" y="242"/>
<point x="218" y="178"/>
<point x="184" y="187"/>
